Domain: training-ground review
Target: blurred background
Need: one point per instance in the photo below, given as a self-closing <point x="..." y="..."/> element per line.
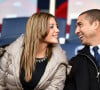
<point x="14" y="15"/>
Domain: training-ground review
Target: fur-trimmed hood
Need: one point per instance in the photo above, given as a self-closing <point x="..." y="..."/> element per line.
<point x="2" y="50"/>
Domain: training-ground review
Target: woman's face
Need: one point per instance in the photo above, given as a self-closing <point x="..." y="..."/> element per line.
<point x="52" y="36"/>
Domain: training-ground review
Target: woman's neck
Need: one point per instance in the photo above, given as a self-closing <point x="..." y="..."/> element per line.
<point x="41" y="51"/>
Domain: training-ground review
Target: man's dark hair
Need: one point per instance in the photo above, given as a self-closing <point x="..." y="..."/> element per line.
<point x="92" y="15"/>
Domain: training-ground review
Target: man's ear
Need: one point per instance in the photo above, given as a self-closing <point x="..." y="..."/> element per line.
<point x="96" y="24"/>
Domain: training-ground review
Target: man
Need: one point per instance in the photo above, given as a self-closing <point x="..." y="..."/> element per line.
<point x="85" y="73"/>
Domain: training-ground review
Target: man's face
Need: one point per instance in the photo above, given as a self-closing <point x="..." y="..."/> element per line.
<point x="85" y="30"/>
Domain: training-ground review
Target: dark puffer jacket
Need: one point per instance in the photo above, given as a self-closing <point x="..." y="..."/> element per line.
<point x="85" y="74"/>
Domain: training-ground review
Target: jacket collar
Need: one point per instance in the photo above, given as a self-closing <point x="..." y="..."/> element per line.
<point x="85" y="50"/>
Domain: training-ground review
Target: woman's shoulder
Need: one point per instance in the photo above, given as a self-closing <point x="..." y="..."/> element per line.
<point x="61" y="57"/>
<point x="17" y="44"/>
<point x="59" y="54"/>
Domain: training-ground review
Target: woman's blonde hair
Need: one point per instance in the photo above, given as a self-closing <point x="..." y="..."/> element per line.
<point x="36" y="30"/>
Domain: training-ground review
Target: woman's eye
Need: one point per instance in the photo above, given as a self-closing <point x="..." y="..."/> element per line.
<point x="57" y="26"/>
<point x="51" y="27"/>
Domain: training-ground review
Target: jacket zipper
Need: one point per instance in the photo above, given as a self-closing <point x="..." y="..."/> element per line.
<point x="98" y="72"/>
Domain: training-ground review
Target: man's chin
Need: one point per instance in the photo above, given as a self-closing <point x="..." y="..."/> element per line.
<point x="83" y="42"/>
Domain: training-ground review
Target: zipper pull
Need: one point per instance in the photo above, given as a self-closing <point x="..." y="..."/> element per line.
<point x="98" y="76"/>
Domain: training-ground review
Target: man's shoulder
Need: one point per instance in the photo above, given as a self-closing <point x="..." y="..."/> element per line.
<point x="80" y="55"/>
<point x="77" y="60"/>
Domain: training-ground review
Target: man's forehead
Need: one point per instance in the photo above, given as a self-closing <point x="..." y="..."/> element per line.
<point x="81" y="18"/>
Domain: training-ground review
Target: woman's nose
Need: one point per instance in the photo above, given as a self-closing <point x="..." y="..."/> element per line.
<point x="57" y="29"/>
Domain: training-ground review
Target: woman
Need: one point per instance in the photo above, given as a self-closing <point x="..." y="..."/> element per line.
<point x="35" y="61"/>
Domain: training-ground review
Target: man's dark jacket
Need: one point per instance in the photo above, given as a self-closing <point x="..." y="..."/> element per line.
<point x="85" y="72"/>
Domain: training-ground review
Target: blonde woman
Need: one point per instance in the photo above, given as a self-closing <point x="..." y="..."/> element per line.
<point x="35" y="61"/>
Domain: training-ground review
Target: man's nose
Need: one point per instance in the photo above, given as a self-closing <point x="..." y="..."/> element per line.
<point x="76" y="30"/>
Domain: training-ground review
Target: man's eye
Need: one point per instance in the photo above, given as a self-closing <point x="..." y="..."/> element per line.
<point x="79" y="24"/>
